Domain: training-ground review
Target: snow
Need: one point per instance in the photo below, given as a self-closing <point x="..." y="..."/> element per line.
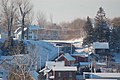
<point x="79" y="50"/>
<point x="84" y="63"/>
<point x="64" y="68"/>
<point x="19" y="30"/>
<point x="89" y="63"/>
<point x="57" y="66"/>
<point x="34" y="27"/>
<point x="34" y="75"/>
<point x="31" y="27"/>
<point x="82" y="54"/>
<point x="100" y="45"/>
<point x="44" y="51"/>
<point x="3" y="73"/>
<point x="8" y="58"/>
<point x="73" y="41"/>
<point x="105" y="75"/>
<point x="67" y="56"/>
<point x="51" y="64"/>
<point x="117" y="57"/>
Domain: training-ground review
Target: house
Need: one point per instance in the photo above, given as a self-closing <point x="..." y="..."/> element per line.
<point x="3" y="35"/>
<point x="80" y="56"/>
<point x="102" y="49"/>
<point x="64" y="73"/>
<point x="69" y="60"/>
<point x="31" y="32"/>
<point x="58" y="71"/>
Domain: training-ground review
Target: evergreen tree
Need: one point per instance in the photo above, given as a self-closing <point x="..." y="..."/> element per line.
<point x="101" y="30"/>
<point x="89" y="31"/>
<point x="115" y="37"/>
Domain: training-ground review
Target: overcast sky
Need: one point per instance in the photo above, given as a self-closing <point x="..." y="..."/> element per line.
<point x="67" y="10"/>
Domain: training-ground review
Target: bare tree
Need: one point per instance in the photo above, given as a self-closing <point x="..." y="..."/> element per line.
<point x="25" y="8"/>
<point x="21" y="66"/>
<point x="8" y="11"/>
<point x="41" y="19"/>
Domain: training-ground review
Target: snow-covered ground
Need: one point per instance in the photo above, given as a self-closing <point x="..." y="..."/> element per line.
<point x="116" y="57"/>
<point x="44" y="51"/>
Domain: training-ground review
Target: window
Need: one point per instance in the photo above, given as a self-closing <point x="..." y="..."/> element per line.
<point x="30" y="32"/>
<point x="1" y="73"/>
<point x="70" y="74"/>
<point x="59" y="74"/>
<point x="30" y="37"/>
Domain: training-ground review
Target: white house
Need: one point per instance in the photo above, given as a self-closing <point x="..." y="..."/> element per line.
<point x="58" y="71"/>
<point x="30" y="31"/>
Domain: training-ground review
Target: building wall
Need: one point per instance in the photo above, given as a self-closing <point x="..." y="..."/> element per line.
<point x="65" y="75"/>
<point x="2" y="35"/>
<point x="67" y="63"/>
<point x="80" y="59"/>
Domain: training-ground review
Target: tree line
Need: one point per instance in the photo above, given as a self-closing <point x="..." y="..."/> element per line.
<point x="19" y="13"/>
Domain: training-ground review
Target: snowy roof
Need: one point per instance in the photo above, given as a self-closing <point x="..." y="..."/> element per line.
<point x="51" y="64"/>
<point x="6" y="57"/>
<point x="31" y="27"/>
<point x="19" y="30"/>
<point x="34" y="75"/>
<point x="88" y="63"/>
<point x="82" y="54"/>
<point x="59" y="66"/>
<point x="100" y="45"/>
<point x="67" y="56"/>
<point x="107" y="76"/>
<point x="65" y="41"/>
<point x="84" y="63"/>
<point x="64" y="68"/>
<point x="34" y="27"/>
<point x="79" y="50"/>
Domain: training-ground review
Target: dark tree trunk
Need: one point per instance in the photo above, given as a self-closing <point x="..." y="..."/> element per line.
<point x="8" y="28"/>
<point x="23" y="25"/>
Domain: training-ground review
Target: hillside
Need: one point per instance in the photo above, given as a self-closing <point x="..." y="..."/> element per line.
<point x="41" y="49"/>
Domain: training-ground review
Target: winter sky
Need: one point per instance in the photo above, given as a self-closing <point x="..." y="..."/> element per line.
<point x="68" y="10"/>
